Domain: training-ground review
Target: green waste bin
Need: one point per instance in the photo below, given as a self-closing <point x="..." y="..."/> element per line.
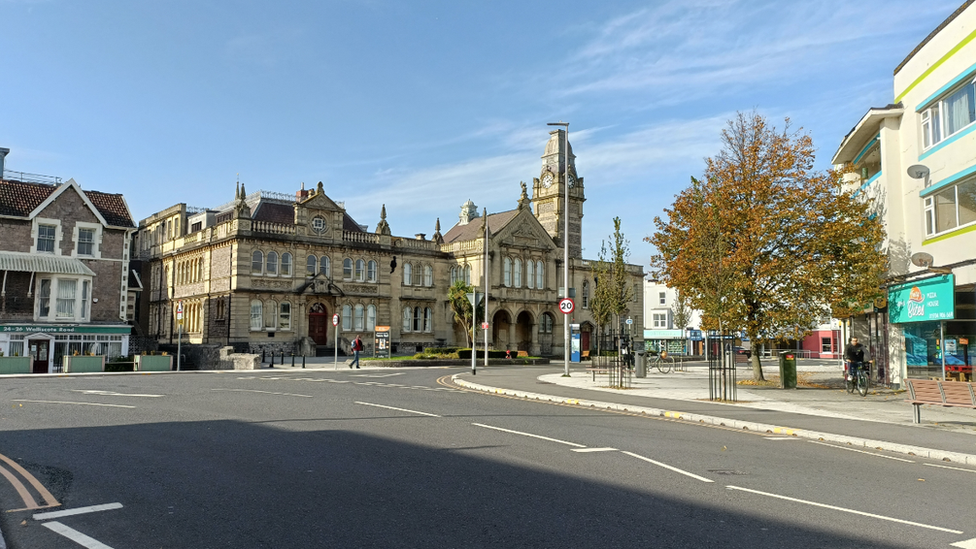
<point x="787" y="370"/>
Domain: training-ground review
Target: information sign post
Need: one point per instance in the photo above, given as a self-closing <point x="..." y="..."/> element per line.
<point x="335" y="340"/>
<point x="179" y="333"/>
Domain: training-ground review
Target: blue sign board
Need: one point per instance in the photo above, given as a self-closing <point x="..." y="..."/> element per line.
<point x="574" y="349"/>
<point x="695" y="335"/>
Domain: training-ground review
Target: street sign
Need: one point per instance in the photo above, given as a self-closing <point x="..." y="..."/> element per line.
<point x="335" y="319"/>
<point x="630" y="321"/>
<point x="566" y="305"/>
<point x="484" y="325"/>
<point x="179" y="311"/>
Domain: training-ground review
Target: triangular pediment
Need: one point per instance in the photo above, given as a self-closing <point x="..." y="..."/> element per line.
<point x="525" y="231"/>
<point x="320" y="202"/>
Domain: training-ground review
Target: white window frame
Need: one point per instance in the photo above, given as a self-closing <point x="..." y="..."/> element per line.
<point x="507" y="272"/>
<point x="80" y="301"/>
<point x="407" y="317"/>
<point x="325" y="266"/>
<point x="358" y="317"/>
<point x="347" y="268"/>
<point x="428" y="319"/>
<point x="371" y="271"/>
<point x="346" y="318"/>
<point x="371" y="318"/>
<point x="271" y="264"/>
<point x="934" y="120"/>
<point x="659" y="320"/>
<point x="530" y="274"/>
<point x="407" y="274"/>
<point x="36" y="223"/>
<point x="517" y="273"/>
<point x="257" y="259"/>
<point x="284" y="316"/>
<point x="96" y="229"/>
<point x="540" y="275"/>
<point x="428" y="276"/>
<point x="257" y="315"/>
<point x="286" y="264"/>
<point x="311" y="265"/>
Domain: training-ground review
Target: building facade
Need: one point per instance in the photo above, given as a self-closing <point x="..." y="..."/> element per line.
<point x="64" y="259"/>
<point x="271" y="272"/>
<point x="916" y="159"/>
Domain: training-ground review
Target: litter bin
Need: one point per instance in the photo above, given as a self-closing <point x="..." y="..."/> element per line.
<point x="641" y="364"/>
<point x="787" y="370"/>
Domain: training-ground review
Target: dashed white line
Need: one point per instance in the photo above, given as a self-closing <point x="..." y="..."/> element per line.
<point x="77" y="511"/>
<point x="75" y="536"/>
<point x="586" y="450"/>
<point x="669" y="467"/>
<point x="845" y="510"/>
<point x="75" y="403"/>
<point x="953" y="468"/>
<point x="397" y="409"/>
<point x="530" y="435"/>
<point x="113" y="393"/>
<point x="263" y="392"/>
<point x="860" y="451"/>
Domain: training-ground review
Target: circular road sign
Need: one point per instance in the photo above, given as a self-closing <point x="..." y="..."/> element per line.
<point x="335" y="319"/>
<point x="566" y="305"/>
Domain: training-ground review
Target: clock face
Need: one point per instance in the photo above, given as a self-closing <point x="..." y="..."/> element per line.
<point x="572" y="181"/>
<point x="547" y="180"/>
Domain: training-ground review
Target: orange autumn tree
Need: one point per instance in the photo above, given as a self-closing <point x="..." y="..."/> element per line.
<point x="765" y="244"/>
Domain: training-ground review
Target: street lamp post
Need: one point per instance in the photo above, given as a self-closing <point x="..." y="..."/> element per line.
<point x="566" y="318"/>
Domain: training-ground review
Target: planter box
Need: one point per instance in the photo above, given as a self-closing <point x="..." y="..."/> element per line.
<point x="15" y="364"/>
<point x="78" y="364"/>
<point x="153" y="363"/>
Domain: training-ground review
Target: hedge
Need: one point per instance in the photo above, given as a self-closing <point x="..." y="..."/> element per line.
<point x="466" y="353"/>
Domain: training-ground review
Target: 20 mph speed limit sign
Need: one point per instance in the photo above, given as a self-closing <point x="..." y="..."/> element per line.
<point x="566" y="305"/>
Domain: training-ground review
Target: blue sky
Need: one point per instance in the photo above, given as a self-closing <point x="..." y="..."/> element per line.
<point x="424" y="105"/>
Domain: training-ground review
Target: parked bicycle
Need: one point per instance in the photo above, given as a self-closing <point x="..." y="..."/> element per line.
<point x="856" y="377"/>
<point x="663" y="362"/>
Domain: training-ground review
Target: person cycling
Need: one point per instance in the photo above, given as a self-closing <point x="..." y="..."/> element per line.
<point x="855" y="357"/>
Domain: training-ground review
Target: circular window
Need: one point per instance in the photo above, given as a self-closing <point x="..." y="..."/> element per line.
<point x="318" y="224"/>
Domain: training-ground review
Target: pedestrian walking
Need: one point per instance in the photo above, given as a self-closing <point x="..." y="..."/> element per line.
<point x="357" y="345"/>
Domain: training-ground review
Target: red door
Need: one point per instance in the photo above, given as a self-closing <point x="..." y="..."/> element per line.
<point x="319" y="324"/>
<point x="584" y="341"/>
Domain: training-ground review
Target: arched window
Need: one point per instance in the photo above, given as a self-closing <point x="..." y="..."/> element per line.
<point x="271" y="265"/>
<point x="325" y="266"/>
<point x="418" y="276"/>
<point x="371" y="271"/>
<point x="310" y="265"/>
<point x="467" y="274"/>
<point x="517" y="273"/>
<point x="284" y="316"/>
<point x="257" y="262"/>
<point x="428" y="276"/>
<point x="286" y="264"/>
<point x="540" y="275"/>
<point x="358" y="318"/>
<point x="428" y="319"/>
<point x="199" y="270"/>
<point x="360" y="270"/>
<point x="545" y="324"/>
<point x="530" y="273"/>
<point x="257" y="315"/>
<point x="271" y="315"/>
<point x="586" y="295"/>
<point x="407" y="316"/>
<point x="418" y="319"/>
<point x="346" y="318"/>
<point x="454" y="275"/>
<point x="347" y="269"/>
<point x="406" y="274"/>
<point x="507" y="272"/>
<point x="371" y="318"/>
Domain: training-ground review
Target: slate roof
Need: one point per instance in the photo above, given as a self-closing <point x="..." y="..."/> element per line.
<point x="274" y="213"/>
<point x="19" y="199"/>
<point x="472" y="231"/>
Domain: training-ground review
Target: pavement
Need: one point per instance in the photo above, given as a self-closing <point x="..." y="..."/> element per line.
<point x="819" y="409"/>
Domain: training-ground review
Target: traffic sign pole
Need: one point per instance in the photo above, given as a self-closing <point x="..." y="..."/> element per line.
<point x="179" y="333"/>
<point x="335" y="341"/>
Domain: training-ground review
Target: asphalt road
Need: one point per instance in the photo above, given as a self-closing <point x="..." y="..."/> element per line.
<point x="381" y="458"/>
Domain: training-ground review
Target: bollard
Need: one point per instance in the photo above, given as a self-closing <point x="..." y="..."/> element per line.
<point x="293" y="360"/>
<point x="282" y="357"/>
<point x="303" y="361"/>
<point x="263" y="358"/>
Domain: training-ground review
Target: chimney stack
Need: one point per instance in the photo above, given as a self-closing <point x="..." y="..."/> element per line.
<point x="3" y="154"/>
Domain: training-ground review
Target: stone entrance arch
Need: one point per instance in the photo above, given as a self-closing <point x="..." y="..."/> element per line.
<point x="501" y="327"/>
<point x="523" y="332"/>
<point x="319" y="323"/>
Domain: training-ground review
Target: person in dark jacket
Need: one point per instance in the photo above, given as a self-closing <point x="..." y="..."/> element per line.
<point x="854" y="356"/>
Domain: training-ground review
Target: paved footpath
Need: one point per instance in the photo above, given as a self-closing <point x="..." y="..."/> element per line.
<point x="821" y="409"/>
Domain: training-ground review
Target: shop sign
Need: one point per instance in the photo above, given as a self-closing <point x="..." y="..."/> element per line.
<point x="922" y="300"/>
<point x="664" y="334"/>
<point x="24" y="329"/>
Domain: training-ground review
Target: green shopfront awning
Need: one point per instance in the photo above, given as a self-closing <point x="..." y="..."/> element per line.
<point x="923" y="300"/>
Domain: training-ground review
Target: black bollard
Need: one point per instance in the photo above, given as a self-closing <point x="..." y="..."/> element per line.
<point x="293" y="360"/>
<point x="282" y="357"/>
<point x="303" y="361"/>
<point x="263" y="358"/>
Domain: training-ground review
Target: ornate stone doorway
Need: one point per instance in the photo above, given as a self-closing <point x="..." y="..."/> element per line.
<point x="319" y="324"/>
<point x="523" y="331"/>
<point x="501" y="328"/>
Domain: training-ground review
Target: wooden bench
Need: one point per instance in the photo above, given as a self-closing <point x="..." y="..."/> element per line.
<point x="584" y="355"/>
<point x="597" y="370"/>
<point x="960" y="394"/>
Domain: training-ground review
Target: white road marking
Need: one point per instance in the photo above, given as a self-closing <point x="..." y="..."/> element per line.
<point x="780" y="438"/>
<point x="380" y="375"/>
<point x="263" y="392"/>
<point x="398" y="409"/>
<point x="113" y="393"/>
<point x="966" y="544"/>
<point x="585" y="450"/>
<point x="953" y="468"/>
<point x="530" y="435"/>
<point x="78" y="403"/>
<point x="666" y="466"/>
<point x="860" y="451"/>
<point x="78" y="511"/>
<point x="845" y="510"/>
<point x="75" y="536"/>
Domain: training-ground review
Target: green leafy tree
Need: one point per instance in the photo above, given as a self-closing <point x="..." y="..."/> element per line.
<point x="765" y="244"/>
<point x="613" y="290"/>
<point x="681" y="311"/>
<point x="461" y="307"/>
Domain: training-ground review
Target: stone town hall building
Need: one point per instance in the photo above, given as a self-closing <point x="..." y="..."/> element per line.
<point x="267" y="271"/>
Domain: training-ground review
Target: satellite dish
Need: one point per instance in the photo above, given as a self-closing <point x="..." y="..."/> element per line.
<point x="922" y="259"/>
<point x="918" y="171"/>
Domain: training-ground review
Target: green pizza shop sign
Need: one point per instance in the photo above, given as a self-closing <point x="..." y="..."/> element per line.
<point x="922" y="300"/>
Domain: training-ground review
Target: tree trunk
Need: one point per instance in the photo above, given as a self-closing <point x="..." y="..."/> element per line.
<point x="757" y="373"/>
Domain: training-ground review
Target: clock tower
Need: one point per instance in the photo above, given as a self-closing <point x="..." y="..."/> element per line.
<point x="549" y="194"/>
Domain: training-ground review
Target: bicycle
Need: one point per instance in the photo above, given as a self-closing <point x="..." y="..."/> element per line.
<point x="663" y="362"/>
<point x="858" y="380"/>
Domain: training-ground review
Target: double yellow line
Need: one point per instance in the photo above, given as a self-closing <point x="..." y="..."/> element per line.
<point x="29" y="502"/>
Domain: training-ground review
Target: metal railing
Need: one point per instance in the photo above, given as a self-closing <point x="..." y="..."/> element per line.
<point x="26" y="177"/>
